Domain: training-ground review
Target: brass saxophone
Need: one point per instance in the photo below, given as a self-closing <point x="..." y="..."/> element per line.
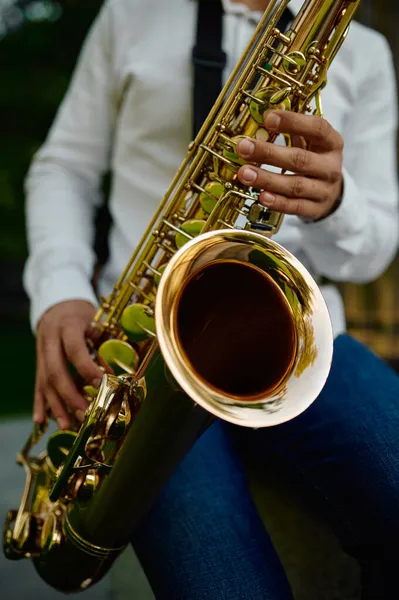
<point x="242" y="331"/>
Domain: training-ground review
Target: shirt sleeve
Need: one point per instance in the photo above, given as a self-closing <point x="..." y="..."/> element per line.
<point x="359" y="240"/>
<point x="64" y="181"/>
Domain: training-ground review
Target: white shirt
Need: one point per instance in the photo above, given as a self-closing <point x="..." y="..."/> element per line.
<point x="128" y="108"/>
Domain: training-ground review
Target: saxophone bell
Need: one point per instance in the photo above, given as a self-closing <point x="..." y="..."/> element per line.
<point x="243" y="328"/>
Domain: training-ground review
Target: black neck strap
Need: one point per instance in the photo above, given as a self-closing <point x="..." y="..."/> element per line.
<point x="209" y="59"/>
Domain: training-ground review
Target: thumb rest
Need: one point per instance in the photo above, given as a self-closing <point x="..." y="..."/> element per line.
<point x="210" y="319"/>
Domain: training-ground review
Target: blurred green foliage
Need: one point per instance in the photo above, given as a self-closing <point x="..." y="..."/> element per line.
<point x="36" y="62"/>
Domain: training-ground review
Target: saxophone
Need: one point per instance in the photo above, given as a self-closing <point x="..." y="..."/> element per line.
<point x="210" y="319"/>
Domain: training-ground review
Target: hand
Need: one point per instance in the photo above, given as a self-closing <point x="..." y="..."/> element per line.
<point x="315" y="190"/>
<point x="61" y="338"/>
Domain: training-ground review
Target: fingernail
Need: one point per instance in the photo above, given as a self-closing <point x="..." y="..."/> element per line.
<point x="96" y="383"/>
<point x="246" y="147"/>
<point x="80" y="415"/>
<point x="37" y="419"/>
<point x="266" y="198"/>
<point x="62" y="423"/>
<point x="249" y="175"/>
<point x="272" y="121"/>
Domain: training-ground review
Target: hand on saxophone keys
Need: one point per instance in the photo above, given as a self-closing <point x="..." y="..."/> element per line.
<point x="61" y="339"/>
<point x="315" y="188"/>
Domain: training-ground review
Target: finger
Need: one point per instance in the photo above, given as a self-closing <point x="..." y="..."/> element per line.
<point x="291" y="206"/>
<point x="296" y="160"/>
<point x="39" y="402"/>
<point x="57" y="408"/>
<point x="58" y="377"/>
<point x="78" y="354"/>
<point x="292" y="186"/>
<point x="106" y="368"/>
<point x="316" y="129"/>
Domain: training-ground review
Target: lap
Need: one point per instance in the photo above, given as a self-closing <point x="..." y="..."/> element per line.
<point x="204" y="538"/>
<point x="346" y="444"/>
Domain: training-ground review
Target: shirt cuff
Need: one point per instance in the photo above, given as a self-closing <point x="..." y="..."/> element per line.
<point x="346" y="221"/>
<point x="62" y="285"/>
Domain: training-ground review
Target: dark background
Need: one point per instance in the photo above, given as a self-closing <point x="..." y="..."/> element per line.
<point x="39" y="43"/>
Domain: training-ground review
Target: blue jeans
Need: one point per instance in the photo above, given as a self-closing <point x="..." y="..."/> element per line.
<point x="204" y="540"/>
